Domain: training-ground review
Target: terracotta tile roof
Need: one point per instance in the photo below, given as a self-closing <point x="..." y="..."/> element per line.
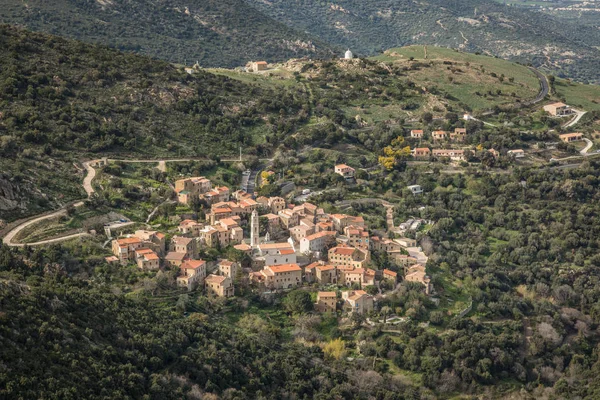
<point x="285" y="252"/>
<point x="570" y="135"/>
<point x="309" y="266"/>
<point x="144" y="251"/>
<point x="325" y="267"/>
<point x="127" y="241"/>
<point x="343" y="166"/>
<point x="192" y="264"/>
<point x="390" y="273"/>
<point x="274" y="246"/>
<point x="285" y="268"/>
<point x="151" y="256"/>
<point x="343" y="251"/>
<point x="182" y="241"/>
<point x="174" y="256"/>
<point x="215" y="279"/>
<point x="319" y="235"/>
<point x="326" y="294"/>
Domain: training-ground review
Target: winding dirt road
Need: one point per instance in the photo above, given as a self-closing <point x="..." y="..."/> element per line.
<point x="87" y="186"/>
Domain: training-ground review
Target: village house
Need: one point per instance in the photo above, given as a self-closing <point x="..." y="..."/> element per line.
<point x="257" y="66"/>
<point x="357" y="237"/>
<point x="415" y="189"/>
<point x="190" y="227"/>
<point x="191" y="188"/>
<point x="111" y="259"/>
<point x="406" y="242"/>
<point x="282" y="276"/>
<point x="456" y="155"/>
<point x="244" y="248"/>
<point x="147" y="259"/>
<point x="240" y="195"/>
<point x="248" y="206"/>
<point x="124" y="248"/>
<point x="494" y="153"/>
<point x="401" y="259"/>
<point x="282" y="256"/>
<point x="288" y="218"/>
<point x="325" y="274"/>
<point x="459" y="135"/>
<point x="220" y="286"/>
<point x="349" y="275"/>
<point x="517" y="153"/>
<point x="346" y="255"/>
<point x="191" y="274"/>
<point x="175" y="259"/>
<point x="439" y="135"/>
<point x="571" y="137"/>
<point x="357" y="301"/>
<point x="216" y="195"/>
<point x="276" y="204"/>
<point x="185" y="245"/>
<point x="297" y="233"/>
<point x="326" y="302"/>
<point x="421" y="152"/>
<point x="384" y="245"/>
<point x="228" y="268"/>
<point x="273" y="224"/>
<point x="341" y="221"/>
<point x="152" y="239"/>
<point x="307" y="211"/>
<point x="317" y="242"/>
<point x="265" y="249"/>
<point x="224" y="209"/>
<point x="218" y="235"/>
<point x="416" y="133"/>
<point x="416" y="273"/>
<point x="323" y="226"/>
<point x="558" y="109"/>
<point x="390" y="275"/>
<point x="345" y="171"/>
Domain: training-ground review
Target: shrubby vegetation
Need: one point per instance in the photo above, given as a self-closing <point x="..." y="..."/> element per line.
<point x="223" y="33"/>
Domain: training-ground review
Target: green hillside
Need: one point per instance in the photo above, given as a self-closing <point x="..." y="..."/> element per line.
<point x="222" y="33"/>
<point x="62" y="101"/>
<point x="564" y="47"/>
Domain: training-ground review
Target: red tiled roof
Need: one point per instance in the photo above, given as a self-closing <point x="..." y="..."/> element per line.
<point x="285" y="268"/>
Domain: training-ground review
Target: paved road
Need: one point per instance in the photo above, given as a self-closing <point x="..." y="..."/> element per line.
<point x="576" y="119"/>
<point x="588" y="147"/>
<point x="544" y="87"/>
<point x="251" y="182"/>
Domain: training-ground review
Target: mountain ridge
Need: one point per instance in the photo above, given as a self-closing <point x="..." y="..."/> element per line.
<point x="224" y="33"/>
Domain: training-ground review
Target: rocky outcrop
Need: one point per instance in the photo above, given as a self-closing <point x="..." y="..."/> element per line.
<point x="10" y="196"/>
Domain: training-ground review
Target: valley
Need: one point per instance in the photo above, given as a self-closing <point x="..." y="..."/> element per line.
<point x="418" y="224"/>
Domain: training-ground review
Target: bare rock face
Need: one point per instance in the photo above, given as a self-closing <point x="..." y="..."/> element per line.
<point x="11" y="198"/>
<point x="8" y="196"/>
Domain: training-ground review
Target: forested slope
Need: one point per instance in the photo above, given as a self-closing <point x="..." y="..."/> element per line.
<point x="63" y="100"/>
<point x="217" y="33"/>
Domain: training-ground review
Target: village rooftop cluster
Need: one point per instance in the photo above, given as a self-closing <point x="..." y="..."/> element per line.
<point x="289" y="246"/>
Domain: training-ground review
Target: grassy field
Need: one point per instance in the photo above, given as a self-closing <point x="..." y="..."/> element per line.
<point x="578" y="95"/>
<point x="468" y="74"/>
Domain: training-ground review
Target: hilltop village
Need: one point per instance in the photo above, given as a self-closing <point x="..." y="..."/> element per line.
<point x="288" y="246"/>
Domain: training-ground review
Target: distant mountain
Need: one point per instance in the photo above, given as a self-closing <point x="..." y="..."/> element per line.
<point x="217" y="33"/>
<point x="566" y="48"/>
